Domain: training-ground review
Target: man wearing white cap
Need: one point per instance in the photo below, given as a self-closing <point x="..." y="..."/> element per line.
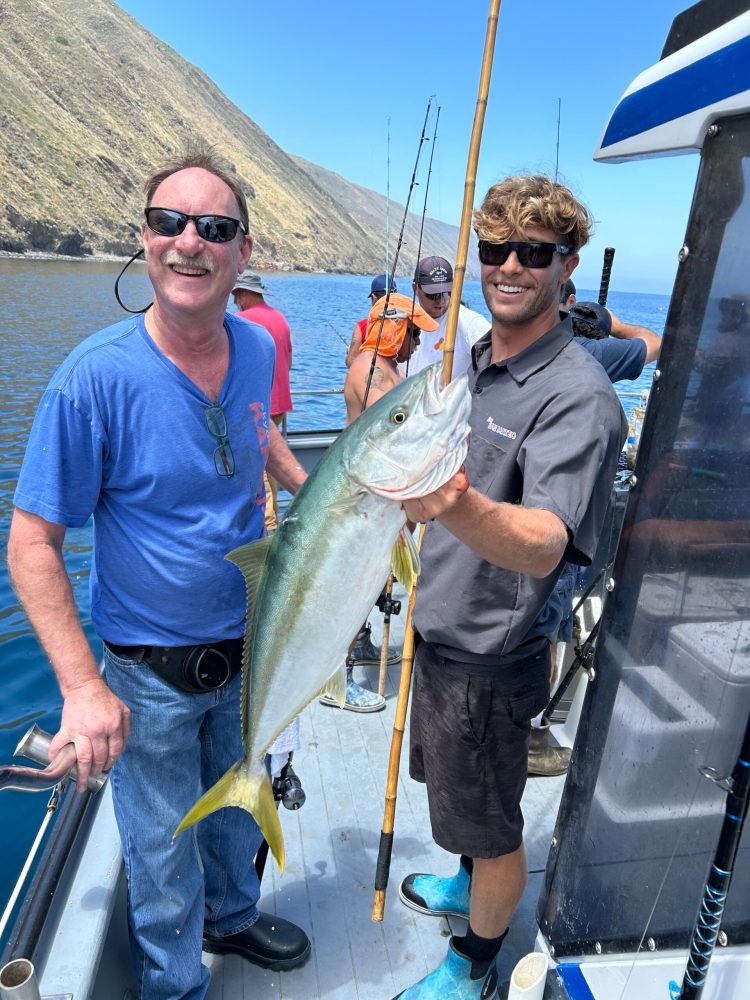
<point x="433" y="284"/>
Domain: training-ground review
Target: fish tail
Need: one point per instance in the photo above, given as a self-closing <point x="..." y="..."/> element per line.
<point x="250" y="789"/>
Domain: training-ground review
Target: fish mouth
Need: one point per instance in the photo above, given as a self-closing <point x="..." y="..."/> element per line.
<point x="447" y="449"/>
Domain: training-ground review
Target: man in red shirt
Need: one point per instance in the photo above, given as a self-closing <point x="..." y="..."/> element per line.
<point x="248" y="297"/>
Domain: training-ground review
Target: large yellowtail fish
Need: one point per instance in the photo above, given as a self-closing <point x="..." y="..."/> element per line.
<point x="311" y="584"/>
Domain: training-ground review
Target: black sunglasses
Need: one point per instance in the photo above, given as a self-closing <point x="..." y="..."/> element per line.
<point x="529" y="254"/>
<point x="212" y="228"/>
<point x="435" y="296"/>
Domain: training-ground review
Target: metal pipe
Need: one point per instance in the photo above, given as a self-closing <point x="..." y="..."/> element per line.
<point x="27" y="930"/>
<point x="34" y="745"/>
<point x="18" y="981"/>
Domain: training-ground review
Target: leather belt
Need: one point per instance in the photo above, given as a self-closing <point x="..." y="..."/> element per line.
<point x="194" y="669"/>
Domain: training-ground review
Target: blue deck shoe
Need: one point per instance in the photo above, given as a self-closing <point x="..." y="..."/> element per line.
<point x="436" y="895"/>
<point x="457" y="978"/>
<point x="366" y="653"/>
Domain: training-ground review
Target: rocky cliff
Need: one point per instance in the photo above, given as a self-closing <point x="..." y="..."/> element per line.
<point x="90" y="101"/>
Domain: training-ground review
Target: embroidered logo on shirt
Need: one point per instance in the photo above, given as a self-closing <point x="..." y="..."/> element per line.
<point x="502" y="431"/>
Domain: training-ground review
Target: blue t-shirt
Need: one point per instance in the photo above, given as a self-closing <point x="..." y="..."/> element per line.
<point x="621" y="359"/>
<point x="120" y="433"/>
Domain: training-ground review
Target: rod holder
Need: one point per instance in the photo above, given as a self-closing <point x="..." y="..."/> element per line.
<point x="18" y="981"/>
<point x="34" y="746"/>
<point x="529" y="977"/>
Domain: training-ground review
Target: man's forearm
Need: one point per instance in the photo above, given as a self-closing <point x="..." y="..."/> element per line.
<point x="282" y="464"/>
<point x="627" y="331"/>
<point x="43" y="587"/>
<point x="517" y="538"/>
<point x="520" y="539"/>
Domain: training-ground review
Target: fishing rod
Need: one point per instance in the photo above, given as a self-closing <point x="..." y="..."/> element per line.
<point x="609" y="256"/>
<point x="392" y="278"/>
<point x="715" y="892"/>
<point x="382" y="871"/>
<point x="421" y="227"/>
<point x="341" y="338"/>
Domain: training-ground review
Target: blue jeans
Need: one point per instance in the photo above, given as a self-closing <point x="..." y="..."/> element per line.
<point x="179" y="745"/>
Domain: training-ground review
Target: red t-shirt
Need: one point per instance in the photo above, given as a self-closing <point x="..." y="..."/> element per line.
<point x="277" y="326"/>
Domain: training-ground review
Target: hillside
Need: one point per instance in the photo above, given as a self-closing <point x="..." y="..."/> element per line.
<point x="90" y="101"/>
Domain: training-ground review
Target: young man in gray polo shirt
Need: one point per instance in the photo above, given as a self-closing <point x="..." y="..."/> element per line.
<point x="546" y="432"/>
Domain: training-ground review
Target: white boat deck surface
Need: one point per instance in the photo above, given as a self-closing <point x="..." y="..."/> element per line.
<point x="332" y="846"/>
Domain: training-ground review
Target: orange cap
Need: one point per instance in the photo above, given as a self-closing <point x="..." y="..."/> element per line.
<point x="400" y="310"/>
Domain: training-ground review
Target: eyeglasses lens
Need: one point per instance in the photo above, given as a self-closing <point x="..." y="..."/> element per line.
<point x="535" y="255"/>
<point x="437" y="296"/>
<point x="212" y="228"/>
<point x="216" y="422"/>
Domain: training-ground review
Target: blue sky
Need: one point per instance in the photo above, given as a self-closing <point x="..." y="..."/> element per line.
<point x="329" y="80"/>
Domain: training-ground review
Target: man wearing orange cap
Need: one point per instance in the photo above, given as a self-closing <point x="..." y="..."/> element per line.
<point x="393" y="327"/>
<point x="392" y="337"/>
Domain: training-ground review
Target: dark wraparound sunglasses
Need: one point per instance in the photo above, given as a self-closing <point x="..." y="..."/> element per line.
<point x="529" y="254"/>
<point x="212" y="228"/>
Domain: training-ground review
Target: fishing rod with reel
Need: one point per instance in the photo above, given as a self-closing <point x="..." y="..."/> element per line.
<point x="386" y="603"/>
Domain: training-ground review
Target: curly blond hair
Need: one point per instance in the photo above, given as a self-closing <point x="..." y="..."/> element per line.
<point x="534" y="200"/>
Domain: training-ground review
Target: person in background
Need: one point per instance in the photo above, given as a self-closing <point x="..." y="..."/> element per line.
<point x="567" y="296"/>
<point x="248" y="295"/>
<point x="395" y="334"/>
<point x="546" y="432"/>
<point x="378" y="289"/>
<point x="622" y="350"/>
<point x="364" y="652"/>
<point x="433" y="284"/>
<point x="165" y="419"/>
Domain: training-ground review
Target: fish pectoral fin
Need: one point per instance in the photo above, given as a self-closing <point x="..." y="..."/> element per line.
<point x="251" y="559"/>
<point x="335" y="686"/>
<point x="347" y="505"/>
<point x="405" y="562"/>
<point x="250" y="789"/>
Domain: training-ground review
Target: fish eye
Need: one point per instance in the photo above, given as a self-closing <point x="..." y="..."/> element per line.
<point x="399" y="415"/>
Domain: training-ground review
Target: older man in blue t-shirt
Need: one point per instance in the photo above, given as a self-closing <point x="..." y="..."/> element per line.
<point x="159" y="428"/>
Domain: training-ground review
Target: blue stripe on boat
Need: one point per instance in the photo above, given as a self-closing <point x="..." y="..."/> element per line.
<point x="713" y="78"/>
<point x="574" y="982"/>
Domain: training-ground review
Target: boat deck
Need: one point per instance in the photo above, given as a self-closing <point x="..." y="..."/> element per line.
<point x="332" y="846"/>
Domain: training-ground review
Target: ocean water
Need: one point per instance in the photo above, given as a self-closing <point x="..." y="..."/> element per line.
<point x="47" y="307"/>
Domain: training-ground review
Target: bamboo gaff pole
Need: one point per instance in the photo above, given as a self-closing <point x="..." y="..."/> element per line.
<point x="386" y="835"/>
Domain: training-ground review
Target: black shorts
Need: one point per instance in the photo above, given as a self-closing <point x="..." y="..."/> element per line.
<point x="469" y="742"/>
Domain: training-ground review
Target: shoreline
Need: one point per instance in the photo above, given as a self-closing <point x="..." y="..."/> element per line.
<point x="101" y="258"/>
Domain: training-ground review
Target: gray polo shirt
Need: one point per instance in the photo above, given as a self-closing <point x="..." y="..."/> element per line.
<point x="546" y="432"/>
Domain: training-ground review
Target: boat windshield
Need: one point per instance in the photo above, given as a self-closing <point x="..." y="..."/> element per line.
<point x="640" y="822"/>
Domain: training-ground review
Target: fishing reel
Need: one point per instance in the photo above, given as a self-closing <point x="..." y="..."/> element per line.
<point x="287" y="788"/>
<point x="387" y="606"/>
